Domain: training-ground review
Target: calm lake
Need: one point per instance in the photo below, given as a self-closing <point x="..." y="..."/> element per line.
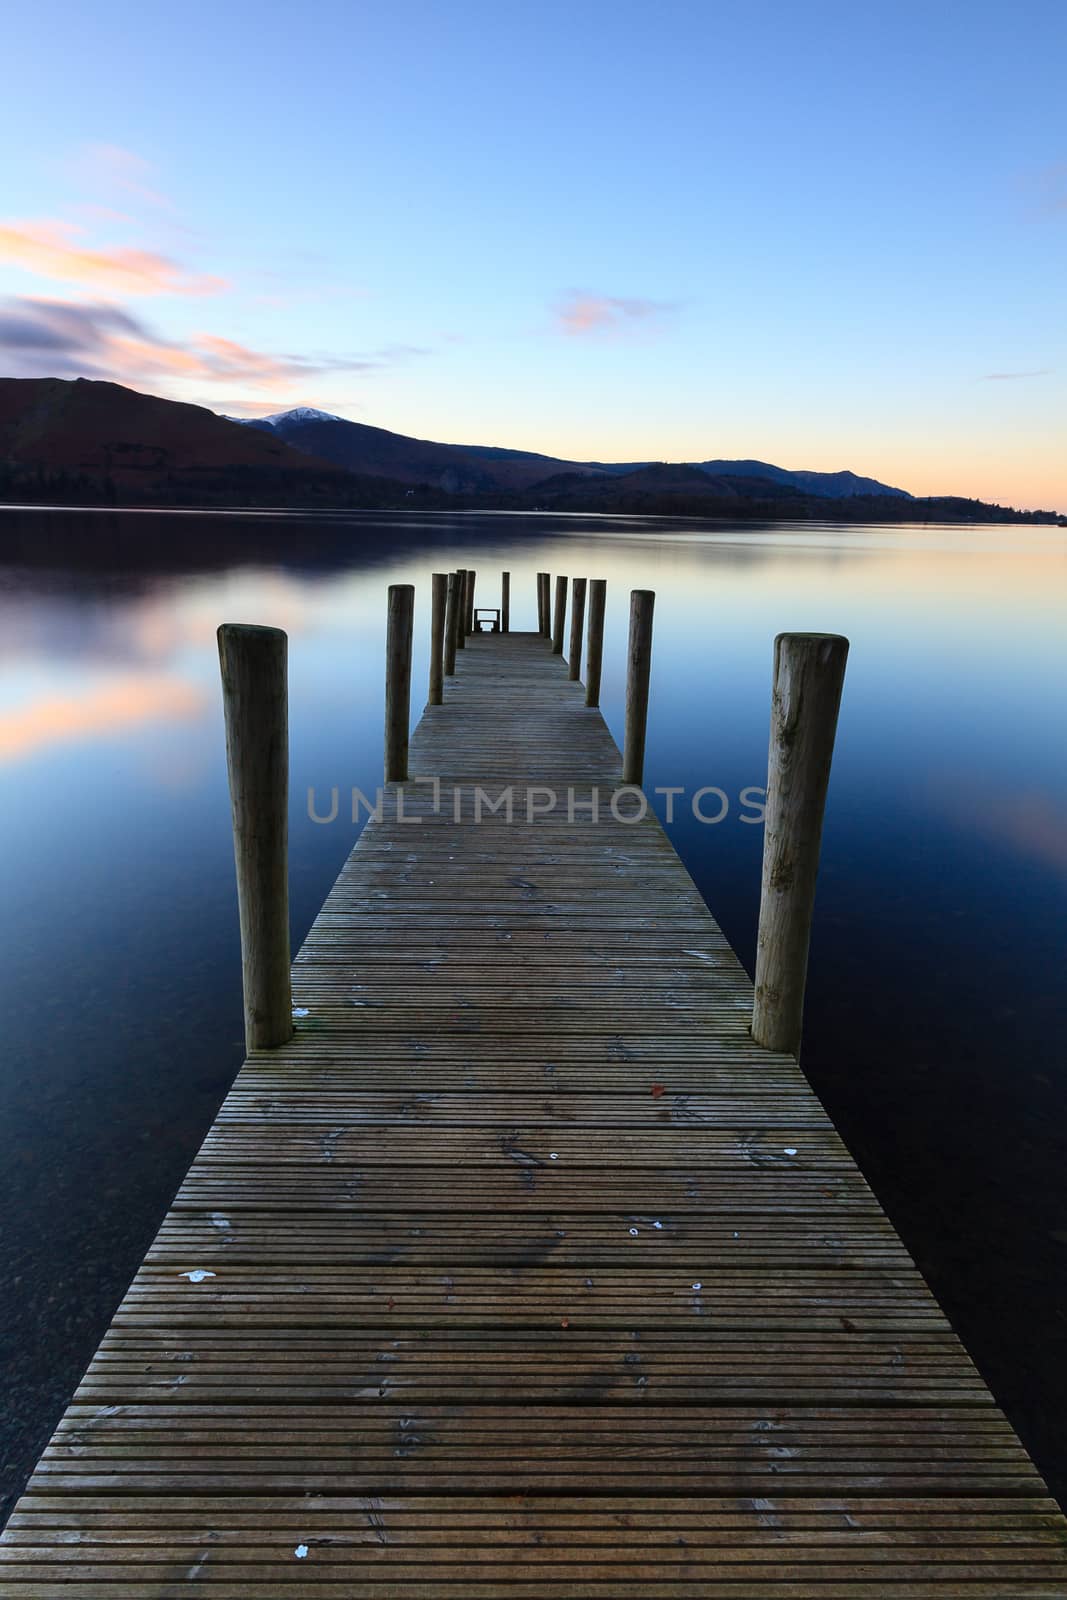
<point x="937" y="1007"/>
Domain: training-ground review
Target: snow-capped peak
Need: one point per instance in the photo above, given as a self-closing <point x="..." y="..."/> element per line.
<point x="302" y="414"/>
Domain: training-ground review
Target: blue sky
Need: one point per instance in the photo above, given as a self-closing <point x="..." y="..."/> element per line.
<point x="825" y="235"/>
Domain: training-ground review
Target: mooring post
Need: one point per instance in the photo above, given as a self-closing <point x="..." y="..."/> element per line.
<point x="809" y="670"/>
<point x="461" y="609"/>
<point x="505" y="602"/>
<point x="470" y="600"/>
<point x="451" y="594"/>
<point x="638" y="667"/>
<point x="574" y="657"/>
<point x="438" y="595"/>
<point x="542" y="579"/>
<point x="398" y="680"/>
<point x="594" y="640"/>
<point x="560" y="615"/>
<point x="255" y="703"/>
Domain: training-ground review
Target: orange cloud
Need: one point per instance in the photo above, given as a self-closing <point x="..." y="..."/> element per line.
<point x="582" y="313"/>
<point x="51" y="249"/>
<point x="101" y="710"/>
<point x="65" y="338"/>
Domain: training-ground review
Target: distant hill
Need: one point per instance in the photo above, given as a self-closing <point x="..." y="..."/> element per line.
<point x="829" y="485"/>
<point x="473" y="468"/>
<point x="453" y="468"/>
<point x="94" y="440"/>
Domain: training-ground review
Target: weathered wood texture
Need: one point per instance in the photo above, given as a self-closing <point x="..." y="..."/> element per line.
<point x="559" y="616"/>
<point x="398" y="638"/>
<point x="574" y="654"/>
<point x="439" y="597"/>
<point x="809" y="670"/>
<point x="255" y="699"/>
<point x="451" y="622"/>
<point x="594" y="653"/>
<point x="638" y="670"/>
<point x="532" y="1276"/>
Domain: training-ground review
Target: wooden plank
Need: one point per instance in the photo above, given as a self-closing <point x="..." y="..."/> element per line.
<point x="521" y="1270"/>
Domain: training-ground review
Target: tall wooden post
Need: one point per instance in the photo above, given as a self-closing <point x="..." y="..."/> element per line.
<point x="560" y="615"/>
<point x="574" y="657"/>
<point x="546" y="595"/>
<point x="594" y="646"/>
<point x="438" y="595"/>
<point x="638" y="667"/>
<point x="461" y="609"/>
<point x="541" y="578"/>
<point x="255" y="703"/>
<point x="451" y="619"/>
<point x="809" y="670"/>
<point x="398" y="680"/>
<point x="470" y="600"/>
<point x="505" y="602"/>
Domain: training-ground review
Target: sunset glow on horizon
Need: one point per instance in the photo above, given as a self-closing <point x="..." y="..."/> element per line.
<point x="826" y="238"/>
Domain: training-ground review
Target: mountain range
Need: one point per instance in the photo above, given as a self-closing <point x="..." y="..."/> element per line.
<point x="478" y="469"/>
<point x="89" y="442"/>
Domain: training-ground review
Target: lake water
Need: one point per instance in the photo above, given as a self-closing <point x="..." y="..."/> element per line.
<point x="937" y="1008"/>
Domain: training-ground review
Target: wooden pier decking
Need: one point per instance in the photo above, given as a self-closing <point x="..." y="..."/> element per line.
<point x="522" y="1271"/>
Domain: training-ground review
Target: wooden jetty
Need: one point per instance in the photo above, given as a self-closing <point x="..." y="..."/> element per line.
<point x="521" y="1269"/>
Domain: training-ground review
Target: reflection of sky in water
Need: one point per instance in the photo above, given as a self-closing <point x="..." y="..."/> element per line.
<point x="944" y="880"/>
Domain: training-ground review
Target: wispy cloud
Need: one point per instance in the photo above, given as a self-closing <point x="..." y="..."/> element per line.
<point x="1001" y="377"/>
<point x="112" y="168"/>
<point x="55" y="250"/>
<point x="581" y="312"/>
<point x="66" y="339"/>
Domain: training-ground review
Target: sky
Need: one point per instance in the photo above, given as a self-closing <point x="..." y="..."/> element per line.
<point x="824" y="235"/>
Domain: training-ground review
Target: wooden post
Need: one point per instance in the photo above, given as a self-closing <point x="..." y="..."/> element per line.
<point x="546" y="602"/>
<point x="561" y="612"/>
<point x="594" y="645"/>
<point x="574" y="658"/>
<point x="451" y="619"/>
<point x="638" y="667"/>
<point x="255" y="703"/>
<point x="470" y="600"/>
<point x="505" y="602"/>
<point x="398" y="680"/>
<point x="461" y="609"/>
<point x="438" y="593"/>
<point x="809" y="670"/>
<point x="541" y="576"/>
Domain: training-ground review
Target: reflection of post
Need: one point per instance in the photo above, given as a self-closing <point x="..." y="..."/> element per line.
<point x="398" y="680"/>
<point x="255" y="703"/>
<point x="594" y="640"/>
<point x="574" y="658"/>
<point x="451" y="617"/>
<point x="809" y="671"/>
<point x="638" y="667"/>
<point x="461" y="609"/>
<point x="505" y="602"/>
<point x="561" y="612"/>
